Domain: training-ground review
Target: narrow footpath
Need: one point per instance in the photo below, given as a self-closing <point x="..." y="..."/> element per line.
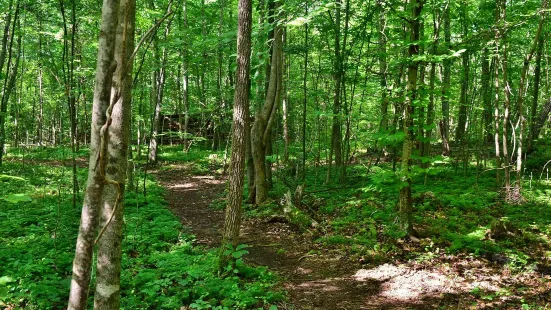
<point x="316" y="279"/>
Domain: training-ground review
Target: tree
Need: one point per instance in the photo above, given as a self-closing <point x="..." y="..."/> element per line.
<point x="82" y="263"/>
<point x="265" y="116"/>
<point x="117" y="133"/>
<point x="405" y="202"/>
<point x="240" y="124"/>
<point x="108" y="159"/>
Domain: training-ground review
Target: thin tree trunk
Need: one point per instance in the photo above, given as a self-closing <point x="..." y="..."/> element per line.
<point x="463" y="98"/>
<point x="159" y="81"/>
<point x="535" y="96"/>
<point x="405" y="203"/>
<point x="336" y="131"/>
<point x="305" y="95"/>
<point x="486" y="95"/>
<point x="432" y="78"/>
<point x="520" y="98"/>
<point x="501" y="6"/>
<point x="383" y="67"/>
<point x="185" y="86"/>
<point x="445" y="123"/>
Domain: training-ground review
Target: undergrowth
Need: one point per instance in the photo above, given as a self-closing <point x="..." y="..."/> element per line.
<point x="161" y="267"/>
<point x="455" y="210"/>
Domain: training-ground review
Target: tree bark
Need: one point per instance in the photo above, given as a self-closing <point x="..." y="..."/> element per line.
<point x="265" y="117"/>
<point x="405" y="203"/>
<point x="336" y="130"/>
<point x="486" y="95"/>
<point x="520" y="96"/>
<point x="240" y="123"/>
<point x="11" y="73"/>
<point x="501" y="7"/>
<point x="535" y="96"/>
<point x="445" y="123"/>
<point x="463" y="98"/>
<point x="93" y="199"/>
<point x="109" y="241"/>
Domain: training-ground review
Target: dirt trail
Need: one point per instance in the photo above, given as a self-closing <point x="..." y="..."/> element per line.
<point x="321" y="280"/>
<point x="312" y="283"/>
<point x="189" y="197"/>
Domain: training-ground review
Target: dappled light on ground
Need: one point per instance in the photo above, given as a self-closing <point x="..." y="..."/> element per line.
<point x="404" y="283"/>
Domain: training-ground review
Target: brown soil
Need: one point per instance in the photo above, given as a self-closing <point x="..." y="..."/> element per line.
<point x="316" y="278"/>
<point x="189" y="197"/>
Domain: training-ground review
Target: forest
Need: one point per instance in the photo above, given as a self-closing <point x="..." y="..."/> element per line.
<point x="270" y="154"/>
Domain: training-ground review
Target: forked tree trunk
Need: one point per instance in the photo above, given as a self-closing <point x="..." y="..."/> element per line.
<point x="109" y="241"/>
<point x="265" y="118"/>
<point x="82" y="263"/>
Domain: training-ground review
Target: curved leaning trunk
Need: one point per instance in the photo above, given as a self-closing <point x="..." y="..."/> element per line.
<point x="265" y="118"/>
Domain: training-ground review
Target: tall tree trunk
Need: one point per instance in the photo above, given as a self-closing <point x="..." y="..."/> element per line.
<point x="265" y="117"/>
<point x="336" y="130"/>
<point x="486" y="95"/>
<point x="185" y="86"/>
<point x="305" y="95"/>
<point x="405" y="203"/>
<point x="68" y="77"/>
<point x="497" y="90"/>
<point x="535" y="96"/>
<point x="520" y="99"/>
<point x="501" y="7"/>
<point x="117" y="132"/>
<point x="240" y="123"/>
<point x="10" y="75"/>
<point x="383" y="67"/>
<point x="159" y="80"/>
<point x="463" y="98"/>
<point x="432" y="77"/>
<point x="93" y="199"/>
<point x="445" y="123"/>
<point x="285" y="104"/>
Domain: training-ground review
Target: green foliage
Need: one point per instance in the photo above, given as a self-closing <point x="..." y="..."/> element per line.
<point x="15" y="198"/>
<point x="453" y="212"/>
<point x="161" y="267"/>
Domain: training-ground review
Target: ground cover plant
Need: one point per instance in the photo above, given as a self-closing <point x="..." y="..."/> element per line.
<point x="353" y="154"/>
<point x="162" y="268"/>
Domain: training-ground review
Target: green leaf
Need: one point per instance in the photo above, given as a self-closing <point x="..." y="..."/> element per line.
<point x="5" y="280"/>
<point x="273" y="307"/>
<point x="10" y="177"/>
<point x="241" y="247"/>
<point x="16" y="198"/>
